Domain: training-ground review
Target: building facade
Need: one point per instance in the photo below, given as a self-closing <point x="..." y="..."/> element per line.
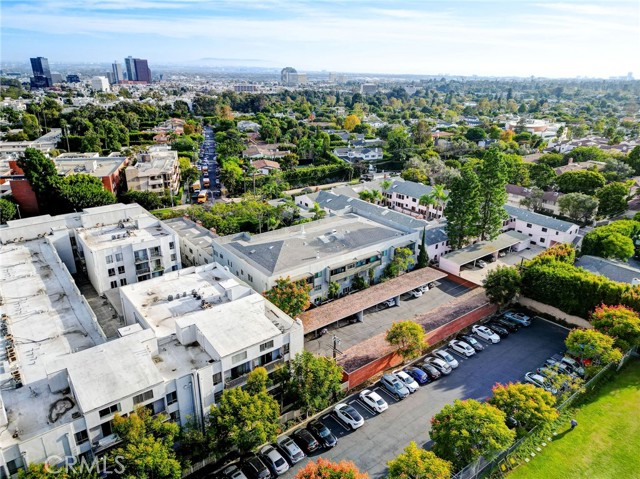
<point x="542" y="230"/>
<point x="157" y="170"/>
<point x="195" y="241"/>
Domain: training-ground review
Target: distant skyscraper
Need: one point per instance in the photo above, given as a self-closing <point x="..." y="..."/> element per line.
<point x="142" y="70"/>
<point x="116" y="68"/>
<point x="41" y="73"/>
<point x="72" y="78"/>
<point x="288" y="76"/>
<point x="131" y="68"/>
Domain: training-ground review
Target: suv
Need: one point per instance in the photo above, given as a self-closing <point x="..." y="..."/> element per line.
<point x="254" y="468"/>
<point x="394" y="385"/>
<point x="519" y="318"/>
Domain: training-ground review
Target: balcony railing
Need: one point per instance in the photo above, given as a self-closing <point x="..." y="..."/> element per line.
<point x="270" y="367"/>
<point x="232" y="383"/>
<point x="155" y="253"/>
<point x="141" y="259"/>
<point x="144" y="270"/>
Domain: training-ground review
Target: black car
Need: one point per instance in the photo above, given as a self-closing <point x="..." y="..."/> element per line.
<point x="305" y="440"/>
<point x="431" y="371"/>
<point x="508" y="325"/>
<point x="471" y="341"/>
<point x="254" y="468"/>
<point x="499" y="330"/>
<point x="323" y="434"/>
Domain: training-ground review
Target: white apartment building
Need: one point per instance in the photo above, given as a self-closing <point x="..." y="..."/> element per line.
<point x="63" y="382"/>
<point x="100" y="83"/>
<point x="131" y="250"/>
<point x="195" y="241"/>
<point x="157" y="170"/>
<point x="541" y="229"/>
<point x="404" y="196"/>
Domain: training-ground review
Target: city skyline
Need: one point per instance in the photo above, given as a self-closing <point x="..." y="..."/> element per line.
<point x="495" y="38"/>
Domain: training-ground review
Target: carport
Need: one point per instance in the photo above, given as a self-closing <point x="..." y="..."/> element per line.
<point x="506" y="242"/>
<point x="355" y="304"/>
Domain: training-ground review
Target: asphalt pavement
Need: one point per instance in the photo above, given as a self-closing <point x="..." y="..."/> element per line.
<point x="385" y="436"/>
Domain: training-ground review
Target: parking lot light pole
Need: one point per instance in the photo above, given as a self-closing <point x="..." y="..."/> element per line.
<point x="336" y="341"/>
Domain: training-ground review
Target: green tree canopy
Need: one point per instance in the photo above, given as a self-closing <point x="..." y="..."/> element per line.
<point x="620" y="322"/>
<point x="578" y="206"/>
<point x="529" y="405"/>
<point x="580" y="181"/>
<point x="502" y="285"/>
<point x="592" y="344"/>
<point x="475" y="134"/>
<point x="8" y="211"/>
<point x="402" y="260"/>
<point x="409" y="337"/>
<point x="617" y="246"/>
<point x="492" y="176"/>
<point x="325" y="469"/>
<point x="148" y="200"/>
<point x="83" y="191"/>
<point x="465" y="430"/>
<point x="292" y="297"/>
<point x="42" y="175"/>
<point x="418" y="463"/>
<point x="613" y="199"/>
<point x="462" y="208"/>
<point x="423" y="256"/>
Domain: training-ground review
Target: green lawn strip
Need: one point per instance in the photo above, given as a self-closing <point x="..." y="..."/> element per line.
<point x="605" y="444"/>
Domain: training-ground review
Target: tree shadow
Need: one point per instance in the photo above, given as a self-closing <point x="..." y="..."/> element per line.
<point x="562" y="434"/>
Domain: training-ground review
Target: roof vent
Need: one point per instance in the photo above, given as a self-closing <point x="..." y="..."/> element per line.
<point x="252" y="251"/>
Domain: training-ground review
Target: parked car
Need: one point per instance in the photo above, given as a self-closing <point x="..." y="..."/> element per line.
<point x="389" y="303"/>
<point x="562" y="367"/>
<point x="323" y="434"/>
<point x="471" y="341"/>
<point x="305" y="440"/>
<point x="408" y="381"/>
<point x="254" y="468"/>
<point x="450" y="360"/>
<point x="416" y="293"/>
<point x="481" y="263"/>
<point x="374" y="401"/>
<point x="462" y="347"/>
<point x="349" y="416"/>
<point x="439" y="364"/>
<point x="539" y="381"/>
<point x="290" y="449"/>
<point x="418" y="374"/>
<point x="575" y="365"/>
<point x="424" y="288"/>
<point x="431" y="371"/>
<point x="396" y="387"/>
<point x="502" y="254"/>
<point x="521" y="319"/>
<point x="508" y="325"/>
<point x="274" y="460"/>
<point x="496" y="328"/>
<point x="233" y="472"/>
<point x="486" y="334"/>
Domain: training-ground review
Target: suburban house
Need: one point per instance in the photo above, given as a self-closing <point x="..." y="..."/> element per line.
<point x="542" y="230"/>
<point x="518" y="193"/>
<point x="355" y="154"/>
<point x="265" y="166"/>
<point x="264" y="150"/>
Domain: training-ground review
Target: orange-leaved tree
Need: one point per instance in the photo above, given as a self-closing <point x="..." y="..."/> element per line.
<point x="325" y="469"/>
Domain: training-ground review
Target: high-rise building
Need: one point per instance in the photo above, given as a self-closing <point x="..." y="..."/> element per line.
<point x="142" y="70"/>
<point x="41" y="73"/>
<point x="117" y="72"/>
<point x="131" y="69"/>
<point x="73" y="78"/>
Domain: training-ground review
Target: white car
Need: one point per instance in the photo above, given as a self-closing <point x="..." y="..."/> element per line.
<point x="439" y="364"/>
<point x="374" y="401"/>
<point x="416" y="293"/>
<point x="349" y="416"/>
<point x="539" y="381"/>
<point x="445" y="356"/>
<point x="274" y="459"/>
<point x="424" y="288"/>
<point x="462" y="348"/>
<point x="481" y="264"/>
<point x="390" y="303"/>
<point x="408" y="381"/>
<point x="486" y="334"/>
<point x="232" y="472"/>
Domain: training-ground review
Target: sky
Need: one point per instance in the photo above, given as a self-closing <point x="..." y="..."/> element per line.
<point x="458" y="37"/>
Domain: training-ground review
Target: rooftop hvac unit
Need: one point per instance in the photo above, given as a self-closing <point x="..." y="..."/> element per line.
<point x="113" y="237"/>
<point x="170" y="297"/>
<point x="184" y="294"/>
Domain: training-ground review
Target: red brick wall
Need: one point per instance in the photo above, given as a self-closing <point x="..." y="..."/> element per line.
<point x="25" y="197"/>
<point x="391" y="360"/>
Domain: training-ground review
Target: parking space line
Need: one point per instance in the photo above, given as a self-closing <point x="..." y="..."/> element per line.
<point x="456" y="353"/>
<point x="340" y="422"/>
<point x="386" y="393"/>
<point x="367" y="408"/>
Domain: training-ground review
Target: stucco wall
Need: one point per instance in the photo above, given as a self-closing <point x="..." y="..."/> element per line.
<point x="553" y="311"/>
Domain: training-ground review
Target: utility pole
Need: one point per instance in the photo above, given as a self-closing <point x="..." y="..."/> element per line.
<point x="336" y="342"/>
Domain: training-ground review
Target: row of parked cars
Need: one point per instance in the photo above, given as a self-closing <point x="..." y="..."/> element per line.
<point x="558" y="364"/>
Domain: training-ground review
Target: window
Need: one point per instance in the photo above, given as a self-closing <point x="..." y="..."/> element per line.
<point x="318" y="288"/>
<point x="174" y="267"/>
<point x="250" y="278"/>
<point x="541" y="240"/>
<point x="114" y="284"/>
<point x="118" y="257"/>
<point x="112" y="271"/>
<point x="123" y="282"/>
<point x="109" y="259"/>
<point x="528" y="225"/>
<point x="318" y="274"/>
<point x="217" y="378"/>
<point x="175" y="416"/>
<point x="267" y="345"/>
<point x="81" y="437"/>
<point x="285" y="348"/>
<point x="140" y="255"/>
<point x="557" y="233"/>
<point x="173" y="257"/>
<point x="107" y="428"/>
<point x="145" y="396"/>
<point x="236" y="358"/>
<point x="171" y="245"/>
<point x="544" y="230"/>
<point x="172" y="398"/>
<point x="14" y="465"/>
<point x="120" y="269"/>
<point x="109" y="410"/>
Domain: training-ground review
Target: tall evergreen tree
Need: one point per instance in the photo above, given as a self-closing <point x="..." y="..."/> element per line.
<point x="423" y="256"/>
<point x="492" y="173"/>
<point x="462" y="208"/>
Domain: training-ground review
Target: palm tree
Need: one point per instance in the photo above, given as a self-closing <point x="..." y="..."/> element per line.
<point x="436" y="197"/>
<point x="318" y="213"/>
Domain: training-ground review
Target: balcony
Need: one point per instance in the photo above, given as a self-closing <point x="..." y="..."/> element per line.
<point x="232" y="383"/>
<point x="270" y="367"/>
<point x="155" y="253"/>
<point x="355" y="270"/>
<point x="141" y="259"/>
<point x="144" y="270"/>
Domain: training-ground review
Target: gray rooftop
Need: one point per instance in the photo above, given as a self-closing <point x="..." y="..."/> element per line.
<point x="614" y="270"/>
<point x="409" y="188"/>
<point x="190" y="230"/>
<point x="484" y="248"/>
<point x="538" y="219"/>
<point x="281" y="250"/>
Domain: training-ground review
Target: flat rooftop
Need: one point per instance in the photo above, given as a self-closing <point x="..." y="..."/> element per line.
<point x="281" y="250"/>
<point x="46" y="318"/>
<point x="111" y="236"/>
<point x="98" y="167"/>
<point x="190" y="230"/>
<point x="188" y="289"/>
<point x="484" y="248"/>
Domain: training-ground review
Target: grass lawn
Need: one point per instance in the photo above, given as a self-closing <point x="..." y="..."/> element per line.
<point x="606" y="442"/>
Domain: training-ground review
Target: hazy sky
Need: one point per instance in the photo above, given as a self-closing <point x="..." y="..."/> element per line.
<point x="500" y="37"/>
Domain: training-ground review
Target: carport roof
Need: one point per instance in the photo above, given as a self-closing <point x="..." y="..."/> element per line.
<point x="329" y="313"/>
<point x="485" y="248"/>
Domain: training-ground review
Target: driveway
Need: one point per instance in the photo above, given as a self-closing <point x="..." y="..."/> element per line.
<point x="380" y="318"/>
<point x="476" y="275"/>
<point x="385" y="436"/>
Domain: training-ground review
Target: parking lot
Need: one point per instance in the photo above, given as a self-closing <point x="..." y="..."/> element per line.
<point x="380" y="318"/>
<point x="476" y="274"/>
<point x="383" y="438"/>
